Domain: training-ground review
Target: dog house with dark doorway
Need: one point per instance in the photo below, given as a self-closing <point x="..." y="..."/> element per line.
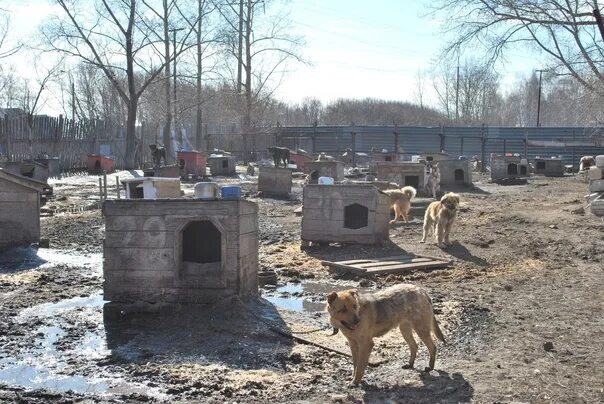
<point x="350" y="213"/>
<point x="455" y="172"/>
<point x="222" y="165"/>
<point x="402" y="173"/>
<point x="179" y="250"/>
<point x="552" y="167"/>
<point x="508" y="167"/>
<point x="333" y="169"/>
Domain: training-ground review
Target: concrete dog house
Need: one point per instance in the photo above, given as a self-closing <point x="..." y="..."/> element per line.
<point x="455" y="172"/>
<point x="179" y="250"/>
<point x="356" y="214"/>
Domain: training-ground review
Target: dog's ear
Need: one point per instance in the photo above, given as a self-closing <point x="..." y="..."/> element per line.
<point x="331" y="297"/>
<point x="354" y="293"/>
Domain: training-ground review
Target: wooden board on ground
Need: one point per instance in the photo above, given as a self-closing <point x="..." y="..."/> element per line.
<point x="388" y="265"/>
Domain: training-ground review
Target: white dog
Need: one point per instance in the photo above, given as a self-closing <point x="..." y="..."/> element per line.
<point x="432" y="180"/>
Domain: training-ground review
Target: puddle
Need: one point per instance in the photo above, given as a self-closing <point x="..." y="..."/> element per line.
<point x="303" y="297"/>
<point x="53" y="309"/>
<point x="24" y="258"/>
<point x="24" y="374"/>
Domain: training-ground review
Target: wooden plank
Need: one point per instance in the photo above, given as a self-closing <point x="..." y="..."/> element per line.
<point x="407" y="267"/>
<point x="392" y="258"/>
<point x="383" y="267"/>
<point x="378" y="264"/>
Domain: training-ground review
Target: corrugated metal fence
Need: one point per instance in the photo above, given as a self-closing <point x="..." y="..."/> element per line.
<point x="569" y="142"/>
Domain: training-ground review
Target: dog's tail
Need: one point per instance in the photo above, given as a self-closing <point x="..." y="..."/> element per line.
<point x="436" y="329"/>
<point x="409" y="192"/>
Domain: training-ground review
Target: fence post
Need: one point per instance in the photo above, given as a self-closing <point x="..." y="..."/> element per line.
<point x="396" y="139"/>
<point x="442" y="138"/>
<point x="461" y="150"/>
<point x="504" y="147"/>
<point x="526" y="144"/>
<point x="354" y="146"/>
<point x="483" y="140"/>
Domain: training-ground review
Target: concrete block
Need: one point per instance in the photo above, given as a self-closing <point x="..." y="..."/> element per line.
<point x="275" y="180"/>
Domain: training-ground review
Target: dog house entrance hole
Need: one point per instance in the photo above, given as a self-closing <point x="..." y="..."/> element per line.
<point x="225" y="163"/>
<point x="201" y="243"/>
<point x="97" y="166"/>
<point x="412" y="181"/>
<point x="512" y="169"/>
<point x="459" y="176"/>
<point x="356" y="216"/>
<point x="136" y="191"/>
<point x="541" y="165"/>
<point x="388" y="158"/>
<point x="522" y="170"/>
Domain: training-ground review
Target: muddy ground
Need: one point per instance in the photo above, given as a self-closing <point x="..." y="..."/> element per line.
<point x="521" y="308"/>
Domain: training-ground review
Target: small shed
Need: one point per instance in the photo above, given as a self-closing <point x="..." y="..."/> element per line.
<point x="152" y="188"/>
<point x="300" y="160"/>
<point x="53" y="164"/>
<point x="222" y="165"/>
<point x="179" y="250"/>
<point x="435" y="157"/>
<point x="552" y="167"/>
<point x="384" y="156"/>
<point x="333" y="169"/>
<point x="192" y="163"/>
<point x="97" y="164"/>
<point x="27" y="168"/>
<point x="345" y="213"/>
<point x="402" y="173"/>
<point x="508" y="167"/>
<point x="19" y="209"/>
<point x="275" y="181"/>
<point x="455" y="172"/>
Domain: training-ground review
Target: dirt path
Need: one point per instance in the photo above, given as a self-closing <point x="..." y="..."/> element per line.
<point x="521" y="309"/>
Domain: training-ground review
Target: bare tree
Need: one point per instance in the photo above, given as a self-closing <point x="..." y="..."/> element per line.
<point x="267" y="45"/>
<point x="120" y="40"/>
<point x="4" y="30"/>
<point x="565" y="31"/>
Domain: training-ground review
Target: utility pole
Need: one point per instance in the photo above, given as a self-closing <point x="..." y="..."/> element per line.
<point x="539" y="98"/>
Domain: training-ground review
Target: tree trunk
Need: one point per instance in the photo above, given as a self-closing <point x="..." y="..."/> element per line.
<point x="131" y="135"/>
<point x="198" y="128"/>
<point x="132" y="102"/>
<point x="247" y="118"/>
<point x="168" y="125"/>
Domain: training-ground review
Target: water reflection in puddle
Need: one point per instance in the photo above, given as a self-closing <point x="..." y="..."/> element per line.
<point x="302" y="297"/>
<point x="27" y="375"/>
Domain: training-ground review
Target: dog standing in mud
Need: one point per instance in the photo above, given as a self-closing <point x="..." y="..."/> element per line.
<point x="362" y="317"/>
<point x="439" y="218"/>
<point x="401" y="202"/>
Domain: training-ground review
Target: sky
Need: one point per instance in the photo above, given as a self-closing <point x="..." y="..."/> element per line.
<point x="355" y="49"/>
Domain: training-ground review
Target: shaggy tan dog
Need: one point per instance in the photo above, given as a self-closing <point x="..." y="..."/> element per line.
<point x="440" y="217"/>
<point x="401" y="202"/>
<point x="362" y="317"/>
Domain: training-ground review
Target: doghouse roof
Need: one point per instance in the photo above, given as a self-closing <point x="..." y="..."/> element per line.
<point x="26" y="182"/>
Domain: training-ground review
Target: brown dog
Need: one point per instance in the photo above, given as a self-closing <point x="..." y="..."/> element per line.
<point x="362" y="317"/>
<point x="440" y="217"/>
<point x="401" y="202"/>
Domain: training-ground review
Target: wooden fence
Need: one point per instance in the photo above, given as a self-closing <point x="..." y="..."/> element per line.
<point x="22" y="139"/>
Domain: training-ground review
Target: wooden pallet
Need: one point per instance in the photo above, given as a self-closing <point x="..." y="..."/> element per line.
<point x="388" y="265"/>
